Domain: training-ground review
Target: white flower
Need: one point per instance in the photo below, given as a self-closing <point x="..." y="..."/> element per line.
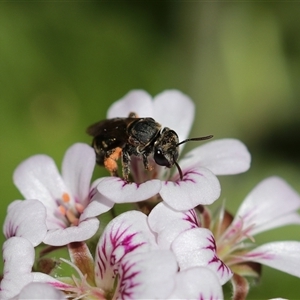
<point x="192" y="245"/>
<point x="26" y="219"/>
<point x="271" y="204"/>
<point x="229" y="242"/>
<point x="71" y="203"/>
<point x="18" y="256"/>
<point x="128" y="265"/>
<point x="199" y="184"/>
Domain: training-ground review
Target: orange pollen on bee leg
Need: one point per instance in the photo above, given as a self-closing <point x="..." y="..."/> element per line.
<point x="65" y="197"/>
<point x="110" y="162"/>
<point x="116" y="154"/>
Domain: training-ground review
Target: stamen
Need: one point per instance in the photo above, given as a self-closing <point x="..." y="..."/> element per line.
<point x="79" y="207"/>
<point x="72" y="218"/>
<point x="62" y="210"/>
<point x="65" y="197"/>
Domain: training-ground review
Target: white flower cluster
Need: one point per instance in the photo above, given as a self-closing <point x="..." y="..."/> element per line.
<point x="175" y="250"/>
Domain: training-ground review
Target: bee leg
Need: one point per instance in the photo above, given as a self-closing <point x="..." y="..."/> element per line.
<point x="132" y="115"/>
<point x="125" y="163"/>
<point x="146" y="162"/>
<point x="110" y="161"/>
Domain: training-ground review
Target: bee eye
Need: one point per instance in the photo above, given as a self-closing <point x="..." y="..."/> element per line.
<point x="160" y="159"/>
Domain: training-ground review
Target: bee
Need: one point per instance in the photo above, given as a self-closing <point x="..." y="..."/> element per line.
<point x="125" y="137"/>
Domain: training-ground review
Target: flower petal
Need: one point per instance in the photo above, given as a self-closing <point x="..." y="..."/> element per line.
<point x="170" y="232"/>
<point x="37" y="290"/>
<point x="148" y="275"/>
<point x="137" y="101"/>
<point x="26" y="219"/>
<point x="127" y="233"/>
<point x="85" y="230"/>
<point x="283" y="256"/>
<point x="161" y="215"/>
<point x="198" y="186"/>
<point x="18" y="256"/>
<point x="98" y="205"/>
<point x="196" y="247"/>
<point x="175" y="110"/>
<point x="169" y="223"/>
<point x="222" y="157"/>
<point x="38" y="178"/>
<point x="270" y="204"/>
<point x="44" y="278"/>
<point x="197" y="283"/>
<point x="120" y="191"/>
<point x="77" y="169"/>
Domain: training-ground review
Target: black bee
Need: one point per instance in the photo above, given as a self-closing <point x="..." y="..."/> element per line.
<point x="123" y="137"/>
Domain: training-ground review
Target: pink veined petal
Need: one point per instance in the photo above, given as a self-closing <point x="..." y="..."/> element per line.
<point x="137" y="101"/>
<point x="222" y="157"/>
<point x="289" y="219"/>
<point x="268" y="204"/>
<point x="196" y="247"/>
<point x="120" y="191"/>
<point x="38" y="178"/>
<point x="85" y="230"/>
<point x="175" y="110"/>
<point x="283" y="256"/>
<point x="46" y="279"/>
<point x="127" y="233"/>
<point x="161" y="215"/>
<point x="37" y="290"/>
<point x="18" y="255"/>
<point x="148" y="275"/>
<point x="77" y="169"/>
<point x="26" y="219"/>
<point x="197" y="283"/>
<point x="198" y="186"/>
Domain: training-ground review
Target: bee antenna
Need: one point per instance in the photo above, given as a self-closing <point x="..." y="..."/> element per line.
<point x="196" y="139"/>
<point x="179" y="169"/>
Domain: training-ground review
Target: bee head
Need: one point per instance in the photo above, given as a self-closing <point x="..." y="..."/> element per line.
<point x="166" y="148"/>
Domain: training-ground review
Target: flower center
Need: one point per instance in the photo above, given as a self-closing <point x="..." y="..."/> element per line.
<point x="79" y="287"/>
<point x="231" y="240"/>
<point x="71" y="211"/>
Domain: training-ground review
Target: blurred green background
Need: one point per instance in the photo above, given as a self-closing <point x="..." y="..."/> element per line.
<point x="63" y="63"/>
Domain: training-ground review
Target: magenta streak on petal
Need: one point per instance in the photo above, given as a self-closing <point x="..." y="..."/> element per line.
<point x="191" y="217"/>
<point x="60" y="285"/>
<point x="193" y="172"/>
<point x="202" y="297"/>
<point x="101" y="263"/>
<point x="126" y="281"/>
<point x="92" y="193"/>
<point x="10" y="230"/>
<point x="131" y="183"/>
<point x="212" y="245"/>
<point x="185" y="178"/>
<point x="117" y="239"/>
<point x="222" y="267"/>
<point x="263" y="255"/>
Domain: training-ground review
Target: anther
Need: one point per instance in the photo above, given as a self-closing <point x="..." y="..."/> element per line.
<point x="65" y="197"/>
